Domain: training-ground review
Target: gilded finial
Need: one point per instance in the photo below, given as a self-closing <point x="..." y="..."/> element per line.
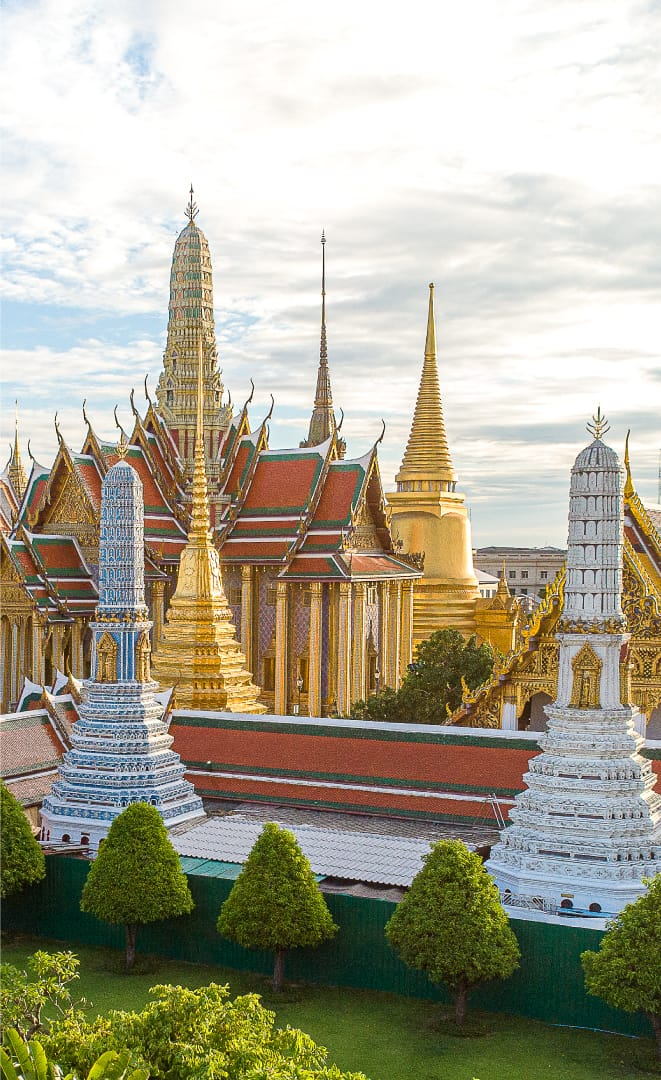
<point x="599" y="425"/>
<point x="123" y="444"/>
<point x="147" y="391"/>
<point x="191" y="209"/>
<point x="85" y="416"/>
<point x="132" y="400"/>
<point x="628" y="482"/>
<point x="338" y="427"/>
<point x="30" y="454"/>
<point x="383" y="431"/>
<point x="57" y="429"/>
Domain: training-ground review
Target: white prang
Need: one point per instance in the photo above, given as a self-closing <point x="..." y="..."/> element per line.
<point x="120" y="744"/>
<point x="587" y="829"/>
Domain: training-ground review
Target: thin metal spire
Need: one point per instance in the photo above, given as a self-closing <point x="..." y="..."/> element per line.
<point x="323" y="349"/>
<point x="191" y="209"/>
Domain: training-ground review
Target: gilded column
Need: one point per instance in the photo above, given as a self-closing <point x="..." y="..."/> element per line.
<point x="281" y="647"/>
<point x="77" y="631"/>
<point x="314" y="691"/>
<point x="344" y="628"/>
<point x="358" y="667"/>
<point x="247" y="615"/>
<point x="14" y="682"/>
<point x="406" y="632"/>
<point x="158" y="610"/>
<point x="38" y="673"/>
<point x="384" y="634"/>
<point x="394" y="633"/>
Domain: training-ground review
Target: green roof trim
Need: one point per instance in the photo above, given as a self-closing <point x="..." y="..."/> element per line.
<point x="379" y="735"/>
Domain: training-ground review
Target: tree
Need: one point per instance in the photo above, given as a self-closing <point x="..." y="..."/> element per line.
<point x="451" y="924"/>
<point x="136" y="877"/>
<point x="25" y="994"/>
<point x="22" y="859"/>
<point x="275" y="902"/>
<point x="433" y="683"/>
<point x="198" y="1034"/>
<point x="626" y="972"/>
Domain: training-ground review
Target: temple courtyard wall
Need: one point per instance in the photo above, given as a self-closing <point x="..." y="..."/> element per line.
<point x="548" y="985"/>
<point x="407" y="770"/>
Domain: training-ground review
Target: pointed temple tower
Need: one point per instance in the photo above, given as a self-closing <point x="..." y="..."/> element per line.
<point x="120" y="745"/>
<point x="588" y="828"/>
<point x="190" y="320"/>
<point x="198" y="652"/>
<point x="427" y="513"/>
<point x="15" y="470"/>
<point x="322" y="421"/>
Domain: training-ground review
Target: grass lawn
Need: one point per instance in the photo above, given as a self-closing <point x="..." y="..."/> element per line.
<point x="388" y="1037"/>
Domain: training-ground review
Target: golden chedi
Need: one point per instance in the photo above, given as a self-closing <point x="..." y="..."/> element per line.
<point x="198" y="652"/>
<point x="428" y="515"/>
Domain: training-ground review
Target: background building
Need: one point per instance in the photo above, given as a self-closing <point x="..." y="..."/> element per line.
<point x="528" y="571"/>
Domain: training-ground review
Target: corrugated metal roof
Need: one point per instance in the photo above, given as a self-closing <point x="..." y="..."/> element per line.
<point x="387" y="860"/>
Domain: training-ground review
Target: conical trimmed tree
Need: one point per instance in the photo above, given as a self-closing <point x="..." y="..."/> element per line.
<point x="275" y="902"/>
<point x="21" y="857"/>
<point x="136" y="877"/>
<point x="451" y="924"/>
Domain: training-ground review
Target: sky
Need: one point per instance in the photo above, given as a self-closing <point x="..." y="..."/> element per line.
<point x="509" y="152"/>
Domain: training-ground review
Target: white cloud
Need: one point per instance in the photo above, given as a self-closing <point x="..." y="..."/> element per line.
<point x="509" y="152"/>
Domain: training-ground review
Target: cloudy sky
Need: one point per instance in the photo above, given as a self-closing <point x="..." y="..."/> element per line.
<point x="510" y="152"/>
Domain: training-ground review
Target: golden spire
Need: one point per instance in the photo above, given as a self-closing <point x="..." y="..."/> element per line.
<point x="198" y="649"/>
<point x="199" y="526"/>
<point x="427" y="455"/>
<point x="322" y="421"/>
<point x="16" y="472"/>
<point x="628" y="482"/>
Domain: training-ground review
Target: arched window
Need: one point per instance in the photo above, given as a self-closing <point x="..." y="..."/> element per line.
<point x="142" y="655"/>
<point x="106" y="658"/>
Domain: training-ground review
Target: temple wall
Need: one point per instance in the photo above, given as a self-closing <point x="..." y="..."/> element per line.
<point x="403" y="769"/>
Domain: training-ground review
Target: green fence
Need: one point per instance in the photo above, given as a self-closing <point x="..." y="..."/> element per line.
<point x="548" y="986"/>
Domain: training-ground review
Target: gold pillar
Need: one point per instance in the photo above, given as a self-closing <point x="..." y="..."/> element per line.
<point x="38" y="673"/>
<point x="358" y="667"/>
<point x="15" y="678"/>
<point x="158" y="610"/>
<point x="406" y="632"/>
<point x="384" y="634"/>
<point x="281" y="649"/>
<point x="395" y="631"/>
<point x="344" y="628"/>
<point x="77" y="631"/>
<point x="247" y="617"/>
<point x="314" y="687"/>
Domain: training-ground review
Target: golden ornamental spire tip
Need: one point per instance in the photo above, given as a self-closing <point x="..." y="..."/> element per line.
<point x="599" y="425"/>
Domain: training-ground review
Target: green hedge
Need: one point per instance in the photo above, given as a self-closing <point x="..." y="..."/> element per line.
<point x="548" y="986"/>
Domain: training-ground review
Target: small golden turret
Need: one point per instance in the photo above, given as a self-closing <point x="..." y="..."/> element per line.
<point x="15" y="471"/>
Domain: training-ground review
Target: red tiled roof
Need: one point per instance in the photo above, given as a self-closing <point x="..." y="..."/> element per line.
<point x="88" y="472"/>
<point x="282" y="482"/>
<point x="340" y="494"/>
<point x="28" y="742"/>
<point x="33" y="789"/>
